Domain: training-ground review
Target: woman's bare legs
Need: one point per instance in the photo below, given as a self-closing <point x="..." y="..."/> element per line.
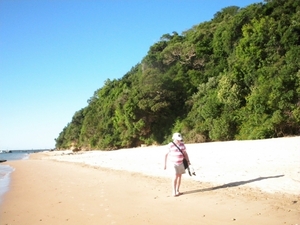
<point x="176" y="184"/>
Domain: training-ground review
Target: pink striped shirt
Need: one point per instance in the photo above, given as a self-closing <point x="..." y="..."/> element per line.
<point x="175" y="156"/>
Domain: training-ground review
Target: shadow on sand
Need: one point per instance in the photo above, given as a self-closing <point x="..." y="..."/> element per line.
<point x="232" y="184"/>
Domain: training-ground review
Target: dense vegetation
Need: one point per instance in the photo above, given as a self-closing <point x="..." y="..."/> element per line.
<point x="235" y="77"/>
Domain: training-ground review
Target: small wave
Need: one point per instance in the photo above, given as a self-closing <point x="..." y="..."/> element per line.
<point x="5" y="172"/>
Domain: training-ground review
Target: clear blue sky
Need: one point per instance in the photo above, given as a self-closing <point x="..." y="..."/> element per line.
<point x="55" y="53"/>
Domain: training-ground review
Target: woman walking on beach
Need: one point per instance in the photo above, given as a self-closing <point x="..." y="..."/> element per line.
<point x="176" y="157"/>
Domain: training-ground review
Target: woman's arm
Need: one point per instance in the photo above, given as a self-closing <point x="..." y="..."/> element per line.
<point x="166" y="158"/>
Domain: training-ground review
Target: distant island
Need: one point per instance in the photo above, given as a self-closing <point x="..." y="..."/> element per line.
<point x="25" y="150"/>
<point x="5" y="151"/>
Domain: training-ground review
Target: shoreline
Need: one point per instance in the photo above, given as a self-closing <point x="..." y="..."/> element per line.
<point x="6" y="171"/>
<point x="129" y="186"/>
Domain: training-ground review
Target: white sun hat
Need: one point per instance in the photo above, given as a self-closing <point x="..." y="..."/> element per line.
<point x="177" y="136"/>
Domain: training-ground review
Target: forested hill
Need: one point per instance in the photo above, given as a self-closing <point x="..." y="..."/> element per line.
<point x="234" y="77"/>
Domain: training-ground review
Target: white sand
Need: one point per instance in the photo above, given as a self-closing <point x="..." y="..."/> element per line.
<point x="272" y="165"/>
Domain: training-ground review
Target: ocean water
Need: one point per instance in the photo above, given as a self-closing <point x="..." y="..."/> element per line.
<point x="6" y="170"/>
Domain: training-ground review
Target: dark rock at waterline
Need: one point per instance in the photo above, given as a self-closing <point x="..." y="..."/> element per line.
<point x="2" y="160"/>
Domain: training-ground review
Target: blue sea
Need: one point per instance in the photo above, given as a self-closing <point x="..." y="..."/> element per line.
<point x="6" y="170"/>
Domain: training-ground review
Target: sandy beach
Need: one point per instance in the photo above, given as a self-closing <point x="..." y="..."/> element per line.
<point x="236" y="182"/>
